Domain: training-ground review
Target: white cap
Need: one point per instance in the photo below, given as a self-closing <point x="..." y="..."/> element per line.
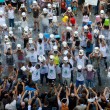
<point x="55" y="48"/>
<point x="89" y="67"/>
<point x="96" y="49"/>
<point x="51" y="57"/>
<point x="1" y="12"/>
<point x="26" y="28"/>
<point x="30" y="40"/>
<point x="18" y="46"/>
<point x="41" y="35"/>
<point x="85" y="27"/>
<point x="23" y="14"/>
<point x="54" y="5"/>
<point x="45" y="10"/>
<point x="69" y="9"/>
<point x="6" y="37"/>
<point x="41" y="58"/>
<point x="10" y="32"/>
<point x="102" y="12"/>
<point x="68" y="28"/>
<point x="52" y="36"/>
<point x="79" y="67"/>
<point x="34" y="2"/>
<point x="49" y="5"/>
<point x="4" y="25"/>
<point x="76" y="34"/>
<point x="64" y="43"/>
<point x="101" y="36"/>
<point x="65" y="58"/>
<point x="81" y="52"/>
<point x="54" y="19"/>
<point x="23" y="68"/>
<point x="96" y="31"/>
<point x="22" y="5"/>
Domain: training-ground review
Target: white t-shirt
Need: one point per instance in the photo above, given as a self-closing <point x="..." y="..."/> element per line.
<point x="50" y="14"/>
<point x="36" y="74"/>
<point x="11" y="106"/>
<point x="85" y="18"/>
<point x="32" y="56"/>
<point x="31" y="68"/>
<point x="40" y="49"/>
<point x="81" y="61"/>
<point x="103" y="50"/>
<point x="11" y="14"/>
<point x="66" y="71"/>
<point x="51" y="72"/>
<point x="80" y="76"/>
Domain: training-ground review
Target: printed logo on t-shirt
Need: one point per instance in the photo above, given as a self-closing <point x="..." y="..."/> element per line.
<point x="51" y="71"/>
<point x="40" y="48"/>
<point x="65" y="71"/>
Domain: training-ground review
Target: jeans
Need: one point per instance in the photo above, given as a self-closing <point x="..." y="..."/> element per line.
<point x="79" y="83"/>
<point x="42" y="78"/>
<point x="29" y="3"/>
<point x="89" y="83"/>
<point x="11" y="22"/>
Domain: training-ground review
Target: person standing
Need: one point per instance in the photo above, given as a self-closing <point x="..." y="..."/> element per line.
<point x="51" y="70"/>
<point x="66" y="71"/>
<point x="95" y="58"/>
<point x="11" y="16"/>
<point x="36" y="8"/>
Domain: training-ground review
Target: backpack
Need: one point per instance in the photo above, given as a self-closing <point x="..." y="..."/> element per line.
<point x="64" y="107"/>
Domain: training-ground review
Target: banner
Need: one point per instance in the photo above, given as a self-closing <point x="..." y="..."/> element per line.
<point x="91" y="2"/>
<point x="1" y="1"/>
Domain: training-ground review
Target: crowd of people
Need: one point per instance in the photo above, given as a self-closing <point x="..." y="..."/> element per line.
<point x="59" y="68"/>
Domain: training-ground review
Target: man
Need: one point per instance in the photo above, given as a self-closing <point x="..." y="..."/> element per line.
<point x="95" y="58"/>
<point x="66" y="71"/>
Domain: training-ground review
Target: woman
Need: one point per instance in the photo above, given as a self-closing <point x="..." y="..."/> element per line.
<point x="85" y="13"/>
<point x="103" y="49"/>
<point x="20" y="55"/>
<point x="9" y="58"/>
<point x="11" y="15"/>
<point x="63" y="6"/>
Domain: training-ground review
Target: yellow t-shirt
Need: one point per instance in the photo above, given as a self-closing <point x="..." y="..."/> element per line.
<point x="56" y="60"/>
